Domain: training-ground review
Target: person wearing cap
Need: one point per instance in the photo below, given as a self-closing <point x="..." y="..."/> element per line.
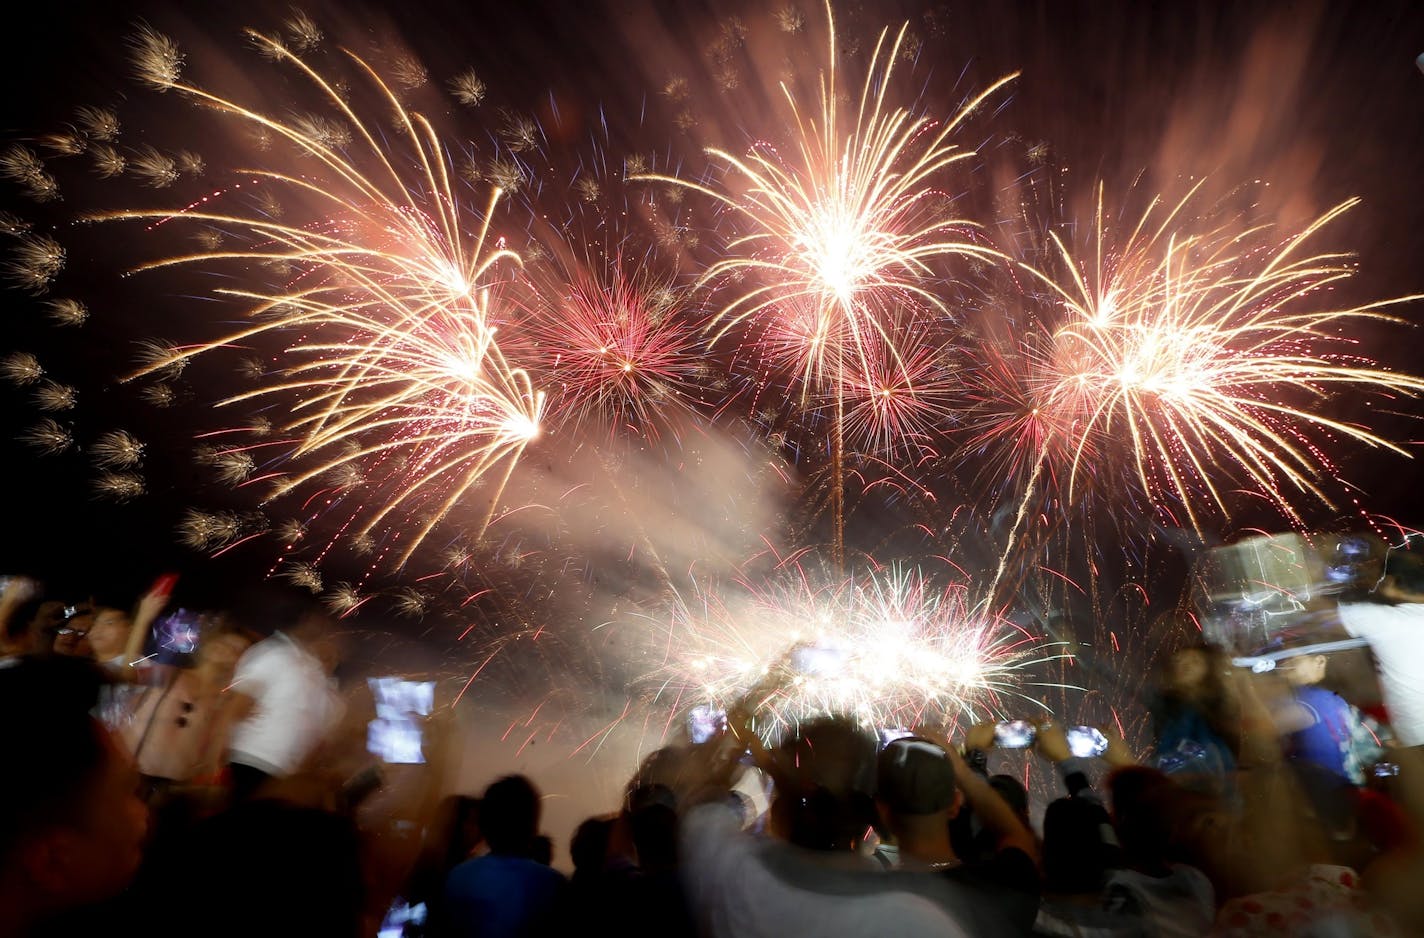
<point x="920" y="787"/>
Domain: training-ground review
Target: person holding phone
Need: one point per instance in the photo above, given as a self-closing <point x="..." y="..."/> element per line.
<point x="921" y="788"/>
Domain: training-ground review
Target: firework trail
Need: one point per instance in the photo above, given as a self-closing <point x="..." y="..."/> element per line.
<point x="839" y="235"/>
<point x="385" y="319"/>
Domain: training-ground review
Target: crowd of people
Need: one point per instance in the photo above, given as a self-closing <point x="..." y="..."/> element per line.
<point x="204" y="775"/>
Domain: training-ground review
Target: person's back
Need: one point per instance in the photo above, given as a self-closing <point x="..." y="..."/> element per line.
<point x="1169" y="899"/>
<point x="498" y="895"/>
<point x="742" y="886"/>
<point x="505" y="894"/>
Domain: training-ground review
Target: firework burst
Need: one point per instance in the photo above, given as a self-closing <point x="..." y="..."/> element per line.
<point x="890" y="648"/>
<point x="616" y="343"/>
<point x="67" y="312"/>
<point x="840" y="230"/>
<point x="36" y="261"/>
<point x="389" y="356"/>
<point x="1197" y="345"/>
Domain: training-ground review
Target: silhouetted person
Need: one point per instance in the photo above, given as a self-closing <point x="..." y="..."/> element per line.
<point x="505" y="894"/>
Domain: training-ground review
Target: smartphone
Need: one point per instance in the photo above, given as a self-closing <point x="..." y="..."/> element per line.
<point x="1014" y="734"/>
<point x="1086" y="742"/>
<point x="817" y="659"/>
<point x="396" y="734"/>
<point x="705" y="722"/>
<point x="163" y="586"/>
<point x="176" y="637"/>
<point x="402" y="919"/>
<point x="888" y="734"/>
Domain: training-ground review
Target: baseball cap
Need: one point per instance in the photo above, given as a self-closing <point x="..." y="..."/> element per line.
<point x="915" y="777"/>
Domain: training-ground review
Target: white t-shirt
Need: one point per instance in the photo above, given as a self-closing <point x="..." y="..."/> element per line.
<point x="733" y="893"/>
<point x="295" y="706"/>
<point x="1396" y="633"/>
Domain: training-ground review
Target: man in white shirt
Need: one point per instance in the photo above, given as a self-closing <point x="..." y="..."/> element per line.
<point x="1394" y="627"/>
<point x="282" y="703"/>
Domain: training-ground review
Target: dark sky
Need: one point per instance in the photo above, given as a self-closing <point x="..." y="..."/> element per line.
<point x="1323" y="101"/>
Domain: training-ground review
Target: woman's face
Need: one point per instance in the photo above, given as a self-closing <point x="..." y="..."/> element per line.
<point x="1188" y="669"/>
<point x="109" y="634"/>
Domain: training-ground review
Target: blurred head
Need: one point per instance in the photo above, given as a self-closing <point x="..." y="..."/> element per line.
<point x="1013" y="793"/>
<point x="509" y="815"/>
<point x="71" y="823"/>
<point x="914" y="778"/>
<point x="71" y="634"/>
<point x="221" y="649"/>
<point x="589" y="848"/>
<point x="825" y="783"/>
<point x="1188" y="669"/>
<point x="1078" y="846"/>
<point x="1304" y="670"/>
<point x="1403" y="577"/>
<point x="1143" y="815"/>
<point x="109" y="633"/>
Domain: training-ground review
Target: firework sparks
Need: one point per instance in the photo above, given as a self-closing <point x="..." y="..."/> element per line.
<point x="468" y="89"/>
<point x="53" y="396"/>
<point x="616" y="344"/>
<point x="116" y="449"/>
<point x="21" y="369"/>
<point x="97" y="123"/>
<point x="889" y="648"/>
<point x="67" y="312"/>
<point x="394" y="368"/>
<point x="208" y="530"/>
<point x="1200" y="351"/>
<point x="840" y="231"/>
<point x="49" y="437"/>
<point x="37" y="260"/>
<point x="20" y="165"/>
<point x="118" y="486"/>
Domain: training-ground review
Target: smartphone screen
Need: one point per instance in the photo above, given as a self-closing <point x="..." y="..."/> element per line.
<point x="175" y="638"/>
<point x="1086" y="741"/>
<point x="395" y="735"/>
<point x="705" y="722"/>
<point x="1014" y="734"/>
<point x="818" y="660"/>
<point x="888" y="734"/>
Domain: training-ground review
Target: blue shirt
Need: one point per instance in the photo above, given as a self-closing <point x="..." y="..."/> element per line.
<point x="1326" y="742"/>
<point x="500" y="897"/>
